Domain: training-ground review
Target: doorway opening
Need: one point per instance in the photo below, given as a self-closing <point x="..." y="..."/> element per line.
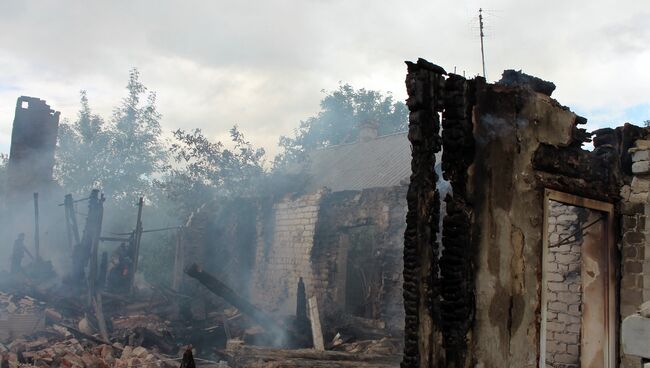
<point x="363" y="281"/>
<point x="578" y="283"/>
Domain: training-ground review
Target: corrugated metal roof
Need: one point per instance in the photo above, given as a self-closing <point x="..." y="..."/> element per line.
<point x="381" y="162"/>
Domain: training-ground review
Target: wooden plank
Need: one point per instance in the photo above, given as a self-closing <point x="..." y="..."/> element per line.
<point x="101" y="321"/>
<point x="578" y="201"/>
<point x="138" y="236"/>
<point x="37" y="235"/>
<point x="270" y="324"/>
<point x="316" y="331"/>
<point x="178" y="261"/>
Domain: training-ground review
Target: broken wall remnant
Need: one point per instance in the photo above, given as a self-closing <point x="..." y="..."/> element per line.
<point x="634" y="227"/>
<point x="31" y="156"/>
<point x="283" y="254"/>
<point x="345" y="245"/>
<point x="357" y="254"/>
<point x="504" y="145"/>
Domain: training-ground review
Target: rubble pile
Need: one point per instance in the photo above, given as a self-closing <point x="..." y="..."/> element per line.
<point x="33" y="333"/>
<point x="19" y="305"/>
<point x="70" y="352"/>
<point x="83" y="323"/>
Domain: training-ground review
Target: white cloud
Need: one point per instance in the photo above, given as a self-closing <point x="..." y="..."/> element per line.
<point x="262" y="65"/>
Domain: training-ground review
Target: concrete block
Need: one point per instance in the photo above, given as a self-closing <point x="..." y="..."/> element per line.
<point x="558" y="307"/>
<point x="568" y="319"/>
<point x="574" y="310"/>
<point x="566" y="258"/>
<point x="555" y="326"/>
<point x="555" y="347"/>
<point x="568" y="297"/>
<point x="568" y="338"/>
<point x="641" y="155"/>
<point x="573" y="350"/>
<point x="575" y="328"/>
<point x="566" y="358"/>
<point x="641" y="167"/>
<point x="557" y="286"/>
<point x="640" y="184"/>
<point x="640" y="144"/>
<point x="635" y="336"/>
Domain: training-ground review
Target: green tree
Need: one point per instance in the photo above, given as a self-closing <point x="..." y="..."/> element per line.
<point x="123" y="156"/>
<point x="342" y="111"/>
<point x="136" y="151"/>
<point x="206" y="170"/>
<point x="81" y="154"/>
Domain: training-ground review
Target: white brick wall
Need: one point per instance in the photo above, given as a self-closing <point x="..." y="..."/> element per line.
<point x="564" y="288"/>
<point x="280" y="263"/>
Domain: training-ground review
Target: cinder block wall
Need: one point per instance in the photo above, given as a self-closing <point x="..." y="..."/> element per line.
<point x="634" y="246"/>
<point x="283" y="253"/>
<point x="564" y="287"/>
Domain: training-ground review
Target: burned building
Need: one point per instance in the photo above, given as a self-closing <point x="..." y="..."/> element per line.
<point x="29" y="178"/>
<point x="543" y="247"/>
<point x="342" y="235"/>
<point x="31" y="157"/>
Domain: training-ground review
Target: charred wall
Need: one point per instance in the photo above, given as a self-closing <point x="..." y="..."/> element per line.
<point x="31" y="157"/>
<point x="359" y="235"/>
<point x="504" y="144"/>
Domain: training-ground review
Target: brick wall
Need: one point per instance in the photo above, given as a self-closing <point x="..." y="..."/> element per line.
<point x="635" y="265"/>
<point x="564" y="290"/>
<point x="283" y="253"/>
<point x="309" y="236"/>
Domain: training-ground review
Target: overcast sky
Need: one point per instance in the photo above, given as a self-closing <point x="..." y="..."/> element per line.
<point x="262" y="65"/>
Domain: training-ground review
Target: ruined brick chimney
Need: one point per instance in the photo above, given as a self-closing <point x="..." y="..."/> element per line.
<point x="33" y="141"/>
<point x="368" y="131"/>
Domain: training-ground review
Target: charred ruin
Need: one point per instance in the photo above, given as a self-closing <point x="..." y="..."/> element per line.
<point x="499" y="289"/>
<point x="488" y="235"/>
<point x="33" y="141"/>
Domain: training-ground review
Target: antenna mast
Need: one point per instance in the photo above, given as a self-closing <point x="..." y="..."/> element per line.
<point x="480" y="22"/>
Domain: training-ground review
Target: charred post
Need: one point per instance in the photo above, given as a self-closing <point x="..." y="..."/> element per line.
<point x="424" y="84"/>
<point x="456" y="264"/>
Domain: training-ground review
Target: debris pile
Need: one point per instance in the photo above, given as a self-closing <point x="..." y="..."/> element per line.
<point x="19" y="305"/>
<point x="70" y="352"/>
<point x="100" y="317"/>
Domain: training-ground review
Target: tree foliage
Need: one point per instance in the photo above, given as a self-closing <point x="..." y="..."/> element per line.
<point x="342" y="111"/>
<point x="81" y="163"/>
<point x="204" y="169"/>
<point x="122" y="156"/>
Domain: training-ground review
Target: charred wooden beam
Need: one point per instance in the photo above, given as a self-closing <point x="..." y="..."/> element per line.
<point x="83" y="251"/>
<point x="424" y="84"/>
<point x="456" y="263"/>
<point x="573" y="170"/>
<point x="229" y="295"/>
